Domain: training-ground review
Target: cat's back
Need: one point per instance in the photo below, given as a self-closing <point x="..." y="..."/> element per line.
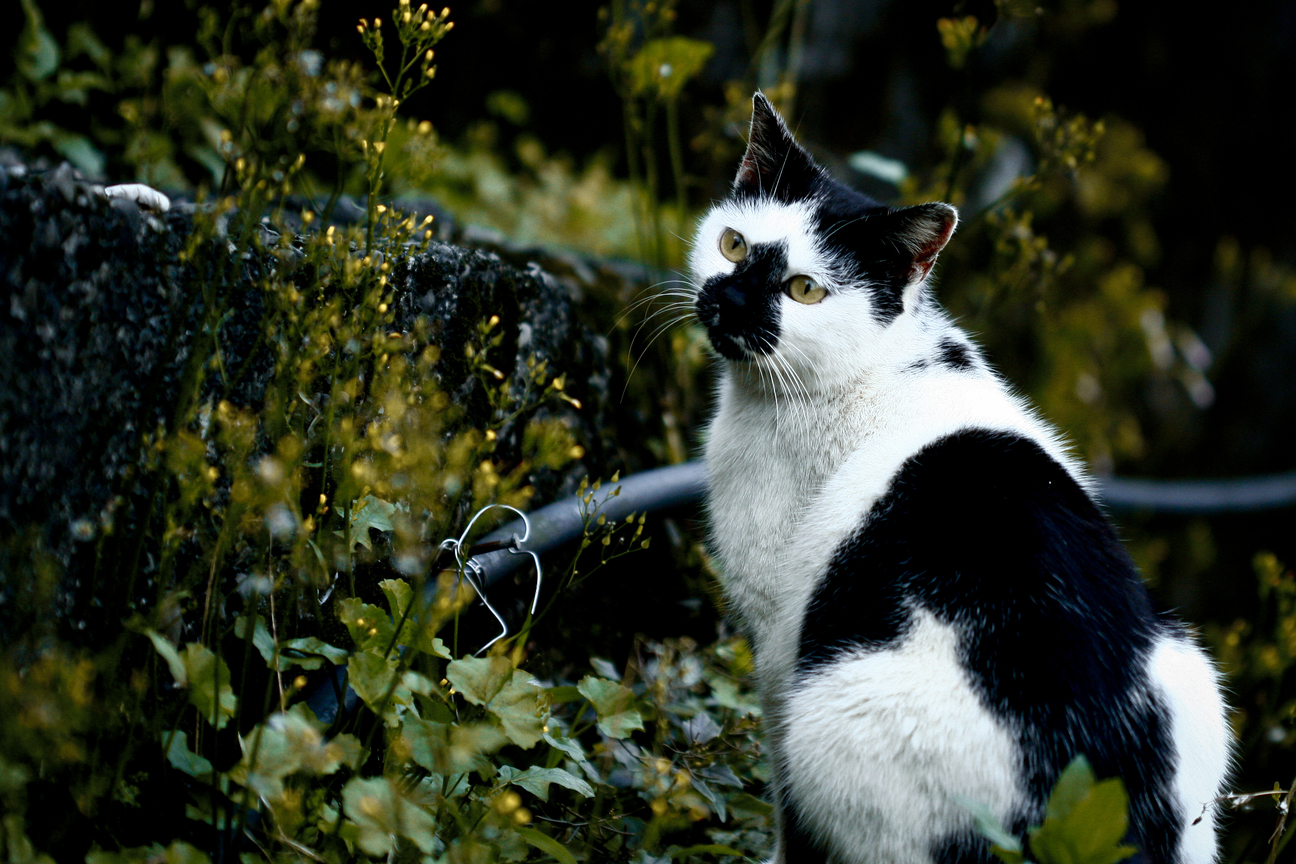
<point x="979" y="628"/>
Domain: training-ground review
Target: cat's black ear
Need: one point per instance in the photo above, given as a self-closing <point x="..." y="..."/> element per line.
<point x="774" y="164"/>
<point x="923" y="231"/>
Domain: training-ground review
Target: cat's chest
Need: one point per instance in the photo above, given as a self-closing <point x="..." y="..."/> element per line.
<point x="788" y="488"/>
<point x="773" y="507"/>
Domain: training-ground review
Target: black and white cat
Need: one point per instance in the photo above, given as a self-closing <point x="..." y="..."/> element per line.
<point x="937" y="607"/>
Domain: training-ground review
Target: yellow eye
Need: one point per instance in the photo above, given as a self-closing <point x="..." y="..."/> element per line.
<point x="733" y="245"/>
<point x="803" y="289"/>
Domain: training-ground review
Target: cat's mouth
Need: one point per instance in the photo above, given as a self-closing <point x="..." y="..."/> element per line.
<point x="737" y="345"/>
<point x="731" y="336"/>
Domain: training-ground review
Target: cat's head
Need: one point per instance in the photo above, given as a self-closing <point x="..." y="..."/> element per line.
<point x="797" y="271"/>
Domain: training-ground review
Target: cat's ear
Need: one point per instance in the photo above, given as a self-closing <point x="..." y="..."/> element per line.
<point x="774" y="164"/>
<point x="923" y="231"/>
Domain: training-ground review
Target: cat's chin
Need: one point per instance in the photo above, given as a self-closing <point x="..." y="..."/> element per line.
<point x="735" y="348"/>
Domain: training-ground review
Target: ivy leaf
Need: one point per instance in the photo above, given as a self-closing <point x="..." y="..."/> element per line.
<point x="614" y="704"/>
<point x="178" y="852"/>
<point x="521" y="708"/>
<point x="546" y="844"/>
<point x="289" y="742"/>
<point x="209" y="684"/>
<point x="701" y="728"/>
<point x="447" y="749"/>
<point x="717" y="801"/>
<point x="369" y="626"/>
<point x="369" y="512"/>
<point x="184" y="759"/>
<point x="537" y="780"/>
<point x="479" y="679"/>
<point x="414" y="633"/>
<point x="381" y="814"/>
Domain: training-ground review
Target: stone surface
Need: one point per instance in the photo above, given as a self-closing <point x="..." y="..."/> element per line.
<point x="98" y="319"/>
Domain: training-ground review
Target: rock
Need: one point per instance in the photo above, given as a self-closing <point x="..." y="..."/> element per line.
<point x="97" y="326"/>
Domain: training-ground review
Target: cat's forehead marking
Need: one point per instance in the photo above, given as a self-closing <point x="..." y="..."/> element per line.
<point x="761" y="221"/>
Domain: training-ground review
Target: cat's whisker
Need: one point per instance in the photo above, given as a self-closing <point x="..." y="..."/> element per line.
<point x="685" y="312"/>
<point x="655" y="296"/>
<point x="794" y="392"/>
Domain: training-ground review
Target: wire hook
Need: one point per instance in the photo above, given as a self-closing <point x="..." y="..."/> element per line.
<point x="471" y="570"/>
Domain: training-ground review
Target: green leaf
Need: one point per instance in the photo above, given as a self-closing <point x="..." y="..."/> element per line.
<point x="381" y="813"/>
<point x="521" y="708"/>
<point x="569" y="746"/>
<point x="78" y="150"/>
<point x="289" y="742"/>
<point x="261" y="638"/>
<point x="369" y="626"/>
<point x="414" y="633"/>
<point x="614" y="704"/>
<point x="558" y="695"/>
<point x="537" y="780"/>
<point x="171" y="656"/>
<point x="38" y="54"/>
<point x="480" y="679"/>
<point x="663" y="66"/>
<point x="1085" y="821"/>
<point x="369" y="512"/>
<point x="182" y="758"/>
<point x="209" y="684"/>
<point x="1072" y="786"/>
<point x="448" y="749"/>
<point x="729" y="694"/>
<point x="545" y="844"/>
<point x="987" y="825"/>
<point x="746" y="806"/>
<point x="309" y="653"/>
<point x="370" y="676"/>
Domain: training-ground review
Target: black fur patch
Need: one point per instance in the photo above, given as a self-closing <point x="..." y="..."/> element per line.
<point x="966" y="847"/>
<point x="740" y="309"/>
<point x="992" y="536"/>
<point x="955" y="355"/>
<point x="798" y="843"/>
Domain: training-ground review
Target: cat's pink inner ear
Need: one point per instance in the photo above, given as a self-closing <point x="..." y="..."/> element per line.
<point x="927" y="237"/>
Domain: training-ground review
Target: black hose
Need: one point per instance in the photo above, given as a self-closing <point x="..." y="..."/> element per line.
<point x="560" y="523"/>
<point x="563" y="522"/>
<point x="1200" y="497"/>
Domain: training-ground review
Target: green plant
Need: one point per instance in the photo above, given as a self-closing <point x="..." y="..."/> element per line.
<point x="1084" y="823"/>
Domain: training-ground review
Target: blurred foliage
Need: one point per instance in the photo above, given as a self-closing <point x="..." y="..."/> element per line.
<point x="187" y="740"/>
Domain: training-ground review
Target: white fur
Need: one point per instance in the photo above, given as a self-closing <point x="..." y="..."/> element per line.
<point x="909" y="722"/>
<point x="1189" y="686"/>
<point x="803" y="443"/>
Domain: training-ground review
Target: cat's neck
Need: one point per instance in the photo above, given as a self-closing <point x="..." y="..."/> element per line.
<point x="889" y="358"/>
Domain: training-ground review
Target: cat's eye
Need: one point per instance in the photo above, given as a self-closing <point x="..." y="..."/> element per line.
<point x="733" y="245"/>
<point x="803" y="289"/>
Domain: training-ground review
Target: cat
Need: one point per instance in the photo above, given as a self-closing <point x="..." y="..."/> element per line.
<point x="938" y="609"/>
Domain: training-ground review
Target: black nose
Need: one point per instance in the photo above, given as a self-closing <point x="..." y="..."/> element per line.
<point x="733" y="297"/>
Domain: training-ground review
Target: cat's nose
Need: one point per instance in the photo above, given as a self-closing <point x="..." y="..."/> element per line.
<point x="733" y="296"/>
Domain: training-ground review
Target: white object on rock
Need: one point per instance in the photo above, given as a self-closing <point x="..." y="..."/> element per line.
<point x="145" y="196"/>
